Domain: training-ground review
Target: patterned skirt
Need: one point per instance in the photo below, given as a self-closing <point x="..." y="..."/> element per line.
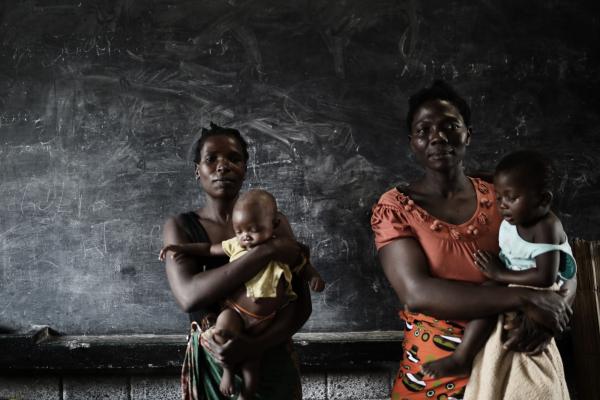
<point x="427" y="339"/>
<point x="201" y="375"/>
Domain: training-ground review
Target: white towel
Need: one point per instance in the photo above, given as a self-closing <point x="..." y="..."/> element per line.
<point x="500" y="374"/>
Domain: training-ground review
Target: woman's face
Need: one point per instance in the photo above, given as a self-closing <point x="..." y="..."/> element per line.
<point x="222" y="168"/>
<point x="439" y="136"/>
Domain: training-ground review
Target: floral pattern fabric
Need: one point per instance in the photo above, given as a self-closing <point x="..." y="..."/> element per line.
<point x="449" y="250"/>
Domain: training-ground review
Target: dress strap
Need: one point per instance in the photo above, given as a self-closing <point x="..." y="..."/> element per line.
<point x="193" y="228"/>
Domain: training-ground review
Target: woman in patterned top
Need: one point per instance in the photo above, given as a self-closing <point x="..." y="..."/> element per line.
<point x="426" y="234"/>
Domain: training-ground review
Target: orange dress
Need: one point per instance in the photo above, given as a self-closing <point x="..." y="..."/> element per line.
<point x="449" y="250"/>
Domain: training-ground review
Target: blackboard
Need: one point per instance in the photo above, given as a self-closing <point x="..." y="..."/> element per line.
<point x="100" y="101"/>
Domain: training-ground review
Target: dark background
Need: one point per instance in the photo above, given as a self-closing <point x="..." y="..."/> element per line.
<point x="100" y="101"/>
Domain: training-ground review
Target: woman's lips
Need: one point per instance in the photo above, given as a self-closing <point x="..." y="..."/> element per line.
<point x="441" y="154"/>
<point x="223" y="181"/>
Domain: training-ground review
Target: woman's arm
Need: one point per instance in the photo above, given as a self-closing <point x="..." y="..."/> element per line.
<point x="192" y="249"/>
<point x="287" y="322"/>
<point x="526" y="336"/>
<point x="406" y="268"/>
<point x="194" y="288"/>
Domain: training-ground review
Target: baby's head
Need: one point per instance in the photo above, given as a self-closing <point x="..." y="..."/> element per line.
<point x="524" y="182"/>
<point x="254" y="217"/>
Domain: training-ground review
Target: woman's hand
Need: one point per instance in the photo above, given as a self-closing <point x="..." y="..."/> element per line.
<point x="548" y="309"/>
<point x="284" y="249"/>
<point x="235" y="350"/>
<point x="525" y="336"/>
<point x="175" y="248"/>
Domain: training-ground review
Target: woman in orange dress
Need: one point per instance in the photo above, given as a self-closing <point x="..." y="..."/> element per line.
<point x="426" y="234"/>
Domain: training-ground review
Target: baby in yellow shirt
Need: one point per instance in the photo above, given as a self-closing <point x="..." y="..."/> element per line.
<point x="254" y="219"/>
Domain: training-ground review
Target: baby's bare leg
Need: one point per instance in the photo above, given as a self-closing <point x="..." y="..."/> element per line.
<point x="459" y="363"/>
<point x="229" y="321"/>
<point x="251" y="373"/>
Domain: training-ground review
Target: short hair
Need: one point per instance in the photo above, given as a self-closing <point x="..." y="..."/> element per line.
<point x="258" y="199"/>
<point x="439" y="90"/>
<point x="533" y="167"/>
<point x="216" y="130"/>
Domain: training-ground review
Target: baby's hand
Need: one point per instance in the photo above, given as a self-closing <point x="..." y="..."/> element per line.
<point x="488" y="263"/>
<point x="317" y="284"/>
<point x="175" y="248"/>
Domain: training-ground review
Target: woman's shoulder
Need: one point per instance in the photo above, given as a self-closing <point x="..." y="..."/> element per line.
<point x="189" y="223"/>
<point x="395" y="212"/>
<point x="181" y="220"/>
<point x="394" y="198"/>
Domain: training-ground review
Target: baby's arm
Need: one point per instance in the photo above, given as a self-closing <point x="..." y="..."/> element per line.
<point x="192" y="249"/>
<point x="543" y="275"/>
<point x="310" y="274"/>
<point x="546" y="265"/>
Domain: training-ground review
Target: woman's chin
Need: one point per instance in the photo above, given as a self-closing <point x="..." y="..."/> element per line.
<point x="443" y="164"/>
<point x="225" y="193"/>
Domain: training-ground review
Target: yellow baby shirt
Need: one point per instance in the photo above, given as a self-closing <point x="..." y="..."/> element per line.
<point x="264" y="283"/>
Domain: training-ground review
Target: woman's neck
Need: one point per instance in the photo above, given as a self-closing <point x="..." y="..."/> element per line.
<point x="218" y="210"/>
<point x="444" y="184"/>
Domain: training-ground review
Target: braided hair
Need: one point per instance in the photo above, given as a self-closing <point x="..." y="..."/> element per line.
<point x="216" y="130"/>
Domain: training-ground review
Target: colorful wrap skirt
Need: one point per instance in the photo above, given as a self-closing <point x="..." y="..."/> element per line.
<point x="427" y="339"/>
<point x="201" y="375"/>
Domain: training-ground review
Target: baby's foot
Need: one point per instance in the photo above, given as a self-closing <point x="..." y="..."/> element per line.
<point x="447" y="366"/>
<point x="227" y="386"/>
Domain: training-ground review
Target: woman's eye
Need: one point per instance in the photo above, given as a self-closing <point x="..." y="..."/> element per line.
<point x="420" y="132"/>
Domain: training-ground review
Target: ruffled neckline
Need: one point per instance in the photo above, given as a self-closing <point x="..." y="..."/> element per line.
<point x="469" y="229"/>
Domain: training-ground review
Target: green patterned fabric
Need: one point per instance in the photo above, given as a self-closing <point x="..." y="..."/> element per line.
<point x="201" y="375"/>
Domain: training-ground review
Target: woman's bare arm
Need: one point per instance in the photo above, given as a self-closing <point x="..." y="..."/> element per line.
<point x="194" y="288"/>
<point x="529" y="337"/>
<point x="192" y="249"/>
<point x="287" y="321"/>
<point x="406" y="268"/>
<point x="292" y="317"/>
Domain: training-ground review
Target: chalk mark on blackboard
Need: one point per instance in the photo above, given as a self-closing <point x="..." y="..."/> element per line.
<point x="262" y="126"/>
<point x="99" y="205"/>
<point x="329" y="286"/>
<point x="157" y="229"/>
<point x="104" y="237"/>
<point x="23" y="197"/>
<point x="48" y="262"/>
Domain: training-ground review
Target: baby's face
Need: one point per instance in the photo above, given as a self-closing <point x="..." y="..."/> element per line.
<point x="518" y="203"/>
<point x="252" y="228"/>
